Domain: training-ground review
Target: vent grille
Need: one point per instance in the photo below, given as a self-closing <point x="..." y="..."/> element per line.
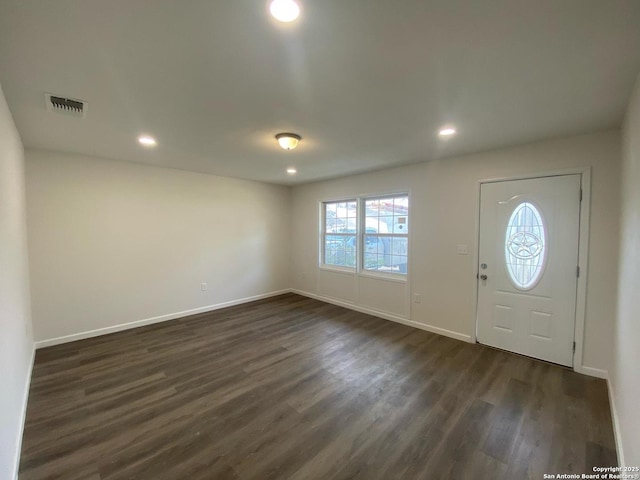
<point x="65" y="105"/>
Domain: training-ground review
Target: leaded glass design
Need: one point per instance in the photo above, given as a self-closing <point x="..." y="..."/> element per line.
<point x="525" y="247"/>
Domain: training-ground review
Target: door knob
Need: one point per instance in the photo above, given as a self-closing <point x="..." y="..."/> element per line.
<point x="483" y="277"/>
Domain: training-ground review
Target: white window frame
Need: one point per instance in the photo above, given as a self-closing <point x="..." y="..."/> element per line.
<point x="360" y="237"/>
<point x="323" y="234"/>
<point x="362" y="232"/>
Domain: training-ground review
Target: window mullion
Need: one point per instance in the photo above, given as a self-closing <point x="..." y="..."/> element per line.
<point x="349" y="241"/>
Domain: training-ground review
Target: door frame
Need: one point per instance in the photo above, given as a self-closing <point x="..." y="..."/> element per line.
<point x="583" y="256"/>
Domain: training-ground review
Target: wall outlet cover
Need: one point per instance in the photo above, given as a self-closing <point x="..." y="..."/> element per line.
<point x="463" y="250"/>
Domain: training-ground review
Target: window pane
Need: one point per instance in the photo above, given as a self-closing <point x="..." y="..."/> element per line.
<point x="383" y="218"/>
<point x="371" y="208"/>
<point x="401" y="205"/>
<point x="352" y="209"/>
<point x="400" y="215"/>
<point x="386" y="215"/>
<point x="330" y="225"/>
<point x="385" y="224"/>
<point x="375" y="248"/>
<point x="400" y="224"/>
<point x="386" y="254"/>
<point x="399" y="252"/>
<point x="349" y="225"/>
<point x="373" y="244"/>
<point x="370" y="261"/>
<point x="340" y="250"/>
<point x="340" y="218"/>
<point x="400" y="246"/>
<point x="525" y="249"/>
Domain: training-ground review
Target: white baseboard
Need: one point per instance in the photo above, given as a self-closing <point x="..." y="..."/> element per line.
<point x="591" y="371"/>
<point x="25" y="402"/>
<point x="600" y="373"/>
<point x="442" y="331"/>
<point x="594" y="372"/>
<point x="616" y="424"/>
<point x="149" y="321"/>
<point x="386" y="316"/>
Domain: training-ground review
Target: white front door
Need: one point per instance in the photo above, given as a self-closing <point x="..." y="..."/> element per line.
<point x="528" y="266"/>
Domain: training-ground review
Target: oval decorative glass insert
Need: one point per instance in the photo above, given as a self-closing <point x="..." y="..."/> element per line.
<point x="524" y="247"/>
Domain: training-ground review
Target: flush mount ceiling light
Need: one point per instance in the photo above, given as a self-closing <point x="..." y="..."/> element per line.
<point x="284" y="10"/>
<point x="447" y="132"/>
<point x="147" y="141"/>
<point x="288" y="141"/>
<point x="292" y="171"/>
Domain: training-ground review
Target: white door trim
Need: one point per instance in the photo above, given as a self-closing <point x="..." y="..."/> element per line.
<point x="583" y="254"/>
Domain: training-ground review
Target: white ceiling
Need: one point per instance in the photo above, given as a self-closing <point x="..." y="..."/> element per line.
<point x="367" y="83"/>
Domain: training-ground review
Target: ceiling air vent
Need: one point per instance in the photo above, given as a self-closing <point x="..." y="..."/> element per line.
<point x="68" y="106"/>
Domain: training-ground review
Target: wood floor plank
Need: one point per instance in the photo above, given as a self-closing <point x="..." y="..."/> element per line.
<point x="506" y="422"/>
<point x="293" y="388"/>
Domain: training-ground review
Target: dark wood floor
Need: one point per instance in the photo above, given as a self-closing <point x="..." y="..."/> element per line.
<point x="292" y="388"/>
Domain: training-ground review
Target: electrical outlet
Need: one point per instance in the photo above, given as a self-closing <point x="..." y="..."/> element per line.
<point x="203" y="286"/>
<point x="417" y="298"/>
<point x="462" y="250"/>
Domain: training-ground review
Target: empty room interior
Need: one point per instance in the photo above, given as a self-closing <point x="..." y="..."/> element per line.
<point x="304" y="239"/>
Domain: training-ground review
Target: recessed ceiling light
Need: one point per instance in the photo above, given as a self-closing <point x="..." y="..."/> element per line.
<point x="288" y="141"/>
<point x="147" y="141"/>
<point x="447" y="132"/>
<point x="284" y="10"/>
<point x="292" y="171"/>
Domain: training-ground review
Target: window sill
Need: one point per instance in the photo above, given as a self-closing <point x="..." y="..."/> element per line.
<point x="335" y="269"/>
<point x="389" y="277"/>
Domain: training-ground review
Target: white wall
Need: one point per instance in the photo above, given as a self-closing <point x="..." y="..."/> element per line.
<point x="113" y="242"/>
<point x="624" y="378"/>
<point x="444" y="202"/>
<point x="16" y="343"/>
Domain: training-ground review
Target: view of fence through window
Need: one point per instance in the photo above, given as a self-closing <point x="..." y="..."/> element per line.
<point x="384" y="232"/>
